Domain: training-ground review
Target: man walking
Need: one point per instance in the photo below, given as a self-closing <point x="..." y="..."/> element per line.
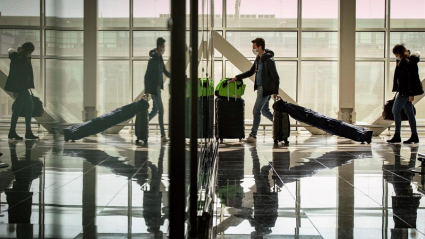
<point x="266" y="83"/>
<point x="154" y="83"/>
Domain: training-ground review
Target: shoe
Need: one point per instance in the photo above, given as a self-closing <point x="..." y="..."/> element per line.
<point x="14" y="135"/>
<point x="396" y="139"/>
<point x="413" y="139"/>
<point x="164" y="139"/>
<point x="251" y="139"/>
<point x="3" y="165"/>
<point x="30" y="135"/>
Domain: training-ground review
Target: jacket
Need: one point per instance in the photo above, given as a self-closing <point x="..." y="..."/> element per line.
<point x="406" y="77"/>
<point x="270" y="77"/>
<point x="152" y="75"/>
<point x="21" y="75"/>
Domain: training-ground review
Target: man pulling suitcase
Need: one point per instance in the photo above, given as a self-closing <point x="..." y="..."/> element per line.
<point x="266" y="83"/>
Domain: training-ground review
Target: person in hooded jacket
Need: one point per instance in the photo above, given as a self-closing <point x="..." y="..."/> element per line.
<point x="266" y="83"/>
<point x="407" y="84"/>
<point x="20" y="81"/>
<point x="154" y="83"/>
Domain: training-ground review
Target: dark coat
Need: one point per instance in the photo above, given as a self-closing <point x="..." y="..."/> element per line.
<point x="270" y="77"/>
<point x="407" y="74"/>
<point x="21" y="76"/>
<point x="152" y="75"/>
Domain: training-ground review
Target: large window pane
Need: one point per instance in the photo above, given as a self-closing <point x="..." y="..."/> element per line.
<point x="319" y="44"/>
<point x="251" y="13"/>
<point x="414" y="41"/>
<point x="114" y="85"/>
<point x="64" y="43"/>
<point x="64" y="84"/>
<point x="64" y="13"/>
<point x="13" y="38"/>
<point x="319" y="87"/>
<point x="144" y="41"/>
<point x="369" y="90"/>
<point x="113" y="43"/>
<point x="320" y="14"/>
<point x="113" y="13"/>
<point x="370" y="44"/>
<point x="20" y="12"/>
<point x="151" y="13"/>
<point x="139" y="70"/>
<point x="283" y="44"/>
<point x="370" y="13"/>
<point x="407" y="13"/>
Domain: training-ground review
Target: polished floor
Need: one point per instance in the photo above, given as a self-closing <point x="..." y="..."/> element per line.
<point x="108" y="187"/>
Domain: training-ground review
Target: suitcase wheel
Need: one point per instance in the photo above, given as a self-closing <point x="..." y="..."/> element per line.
<point x="221" y="141"/>
<point x="276" y="141"/>
<point x="240" y="140"/>
<point x="286" y="142"/>
<point x="137" y="141"/>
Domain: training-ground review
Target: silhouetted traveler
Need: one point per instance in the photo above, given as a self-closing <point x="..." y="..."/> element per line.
<point x="154" y="83"/>
<point x="407" y="84"/>
<point x="266" y="83"/>
<point x="19" y="81"/>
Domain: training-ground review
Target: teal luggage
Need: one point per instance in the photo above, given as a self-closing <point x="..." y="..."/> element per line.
<point x="226" y="89"/>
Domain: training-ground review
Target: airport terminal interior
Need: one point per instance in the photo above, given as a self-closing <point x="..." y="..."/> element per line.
<point x="144" y="127"/>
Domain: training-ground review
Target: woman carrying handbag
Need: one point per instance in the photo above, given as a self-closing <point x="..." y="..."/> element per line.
<point x="407" y="85"/>
<point x="20" y="81"/>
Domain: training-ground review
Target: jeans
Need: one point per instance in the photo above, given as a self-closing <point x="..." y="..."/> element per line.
<point x="261" y="107"/>
<point x="24" y="99"/>
<point x="158" y="108"/>
<point x="402" y="102"/>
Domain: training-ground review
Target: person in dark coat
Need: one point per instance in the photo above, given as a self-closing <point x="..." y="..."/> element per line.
<point x="154" y="83"/>
<point x="266" y="83"/>
<point x="407" y="84"/>
<point x="19" y="81"/>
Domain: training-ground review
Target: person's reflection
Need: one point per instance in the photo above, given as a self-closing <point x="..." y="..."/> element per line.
<point x="152" y="198"/>
<point x="18" y="196"/>
<point x="265" y="201"/>
<point x="405" y="203"/>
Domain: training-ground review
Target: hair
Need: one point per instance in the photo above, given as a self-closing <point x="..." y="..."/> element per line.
<point x="259" y="42"/>
<point x="402" y="50"/>
<point x="27" y="47"/>
<point x="160" y="41"/>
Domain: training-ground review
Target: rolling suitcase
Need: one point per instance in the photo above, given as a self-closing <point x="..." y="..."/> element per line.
<point x="142" y="126"/>
<point x="230" y="119"/>
<point x="105" y="121"/>
<point x="325" y="123"/>
<point x="281" y="127"/>
<point x="205" y="117"/>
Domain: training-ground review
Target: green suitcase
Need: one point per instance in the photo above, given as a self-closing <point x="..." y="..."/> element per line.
<point x="230" y="90"/>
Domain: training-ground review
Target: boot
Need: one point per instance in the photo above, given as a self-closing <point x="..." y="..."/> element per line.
<point x="396" y="139"/>
<point x="413" y="139"/>
<point x="14" y="135"/>
<point x="30" y="135"/>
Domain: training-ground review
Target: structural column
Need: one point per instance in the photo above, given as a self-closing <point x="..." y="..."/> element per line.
<point x="90" y="59"/>
<point x="347" y="60"/>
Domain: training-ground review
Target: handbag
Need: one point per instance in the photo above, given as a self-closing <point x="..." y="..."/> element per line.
<point x="388" y="111"/>
<point x="38" y="107"/>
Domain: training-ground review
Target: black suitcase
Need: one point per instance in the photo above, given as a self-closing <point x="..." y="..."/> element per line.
<point x="142" y="126"/>
<point x="230" y="118"/>
<point x="281" y="127"/>
<point x="205" y="117"/>
<point x="325" y="123"/>
<point x="105" y="121"/>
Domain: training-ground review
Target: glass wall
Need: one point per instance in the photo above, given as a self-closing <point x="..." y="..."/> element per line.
<point x="302" y="33"/>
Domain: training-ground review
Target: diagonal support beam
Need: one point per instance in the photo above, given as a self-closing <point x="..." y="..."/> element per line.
<point x="47" y="120"/>
<point x="118" y="128"/>
<point x="386" y="123"/>
<point x="242" y="63"/>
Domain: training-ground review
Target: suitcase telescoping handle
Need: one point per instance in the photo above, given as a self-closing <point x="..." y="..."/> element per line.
<point x="228" y="91"/>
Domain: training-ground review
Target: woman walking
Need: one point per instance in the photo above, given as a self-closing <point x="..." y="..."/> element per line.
<point x="19" y="81"/>
<point x="407" y="85"/>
